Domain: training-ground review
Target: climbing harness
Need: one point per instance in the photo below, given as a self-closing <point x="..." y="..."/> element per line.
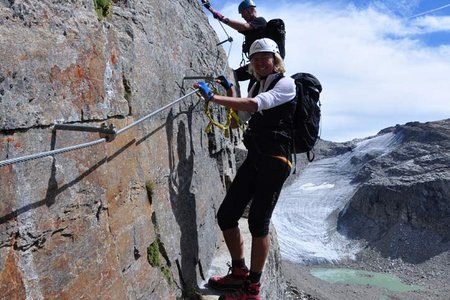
<point x="231" y="113"/>
<point x="283" y="159"/>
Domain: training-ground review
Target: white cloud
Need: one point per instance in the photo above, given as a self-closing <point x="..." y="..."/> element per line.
<point x="433" y="23"/>
<point x="374" y="71"/>
<point x="402" y="7"/>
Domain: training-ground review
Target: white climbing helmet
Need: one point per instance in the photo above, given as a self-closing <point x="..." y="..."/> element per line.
<point x="263" y="45"/>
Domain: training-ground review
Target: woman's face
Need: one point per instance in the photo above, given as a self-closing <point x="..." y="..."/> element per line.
<point x="263" y="63"/>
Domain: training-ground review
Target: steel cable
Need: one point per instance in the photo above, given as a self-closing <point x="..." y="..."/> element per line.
<point x="16" y="160"/>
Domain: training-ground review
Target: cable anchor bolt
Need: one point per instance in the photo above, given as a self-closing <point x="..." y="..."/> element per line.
<point x="229" y="39"/>
<point x="108" y="132"/>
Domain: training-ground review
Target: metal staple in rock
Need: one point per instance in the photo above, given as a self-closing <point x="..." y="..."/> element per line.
<point x="16" y="160"/>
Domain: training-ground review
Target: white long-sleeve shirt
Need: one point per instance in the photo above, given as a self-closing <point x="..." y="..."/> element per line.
<point x="284" y="91"/>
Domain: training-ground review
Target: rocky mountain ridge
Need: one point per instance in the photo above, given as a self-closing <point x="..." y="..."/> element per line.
<point x="402" y="201"/>
<point x="397" y="213"/>
<point x="402" y="206"/>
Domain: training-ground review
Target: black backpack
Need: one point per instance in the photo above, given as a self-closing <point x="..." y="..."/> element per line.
<point x="276" y="31"/>
<point x="306" y="119"/>
<point x="307" y="114"/>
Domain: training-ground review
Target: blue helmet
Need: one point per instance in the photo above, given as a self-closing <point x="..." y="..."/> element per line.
<point x="246" y="4"/>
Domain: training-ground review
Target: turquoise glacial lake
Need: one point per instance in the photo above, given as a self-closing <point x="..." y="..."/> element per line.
<point x="360" y="277"/>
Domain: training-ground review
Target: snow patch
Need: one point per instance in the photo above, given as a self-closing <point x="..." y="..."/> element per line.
<point x="306" y="214"/>
<point x="313" y="187"/>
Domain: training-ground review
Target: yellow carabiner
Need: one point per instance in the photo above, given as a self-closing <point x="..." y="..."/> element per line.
<point x="231" y="114"/>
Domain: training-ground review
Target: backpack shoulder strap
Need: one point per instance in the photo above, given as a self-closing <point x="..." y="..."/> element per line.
<point x="275" y="81"/>
<point x="257" y="85"/>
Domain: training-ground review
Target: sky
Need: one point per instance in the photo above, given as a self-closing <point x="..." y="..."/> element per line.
<point x="381" y="63"/>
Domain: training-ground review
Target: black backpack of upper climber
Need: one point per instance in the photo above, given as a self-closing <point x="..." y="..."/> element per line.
<point x="276" y="31"/>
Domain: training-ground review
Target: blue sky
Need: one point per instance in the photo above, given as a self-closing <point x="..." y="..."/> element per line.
<point x="381" y="63"/>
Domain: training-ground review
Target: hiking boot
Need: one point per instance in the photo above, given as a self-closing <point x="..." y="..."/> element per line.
<point x="249" y="291"/>
<point x="234" y="280"/>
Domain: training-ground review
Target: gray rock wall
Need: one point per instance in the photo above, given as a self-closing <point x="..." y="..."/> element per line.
<point x="87" y="223"/>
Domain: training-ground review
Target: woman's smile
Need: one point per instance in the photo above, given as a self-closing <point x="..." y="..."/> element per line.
<point x="263" y="63"/>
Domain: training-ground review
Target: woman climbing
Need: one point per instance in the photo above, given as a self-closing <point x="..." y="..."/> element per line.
<point x="264" y="171"/>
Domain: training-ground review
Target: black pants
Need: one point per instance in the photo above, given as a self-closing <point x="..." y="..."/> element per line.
<point x="260" y="179"/>
<point x="242" y="74"/>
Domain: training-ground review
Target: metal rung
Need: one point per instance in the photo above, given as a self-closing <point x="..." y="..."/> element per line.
<point x="230" y="39"/>
<point x="103" y="129"/>
<point x="210" y="78"/>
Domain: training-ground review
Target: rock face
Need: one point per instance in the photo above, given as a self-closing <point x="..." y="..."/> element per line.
<point x="402" y="205"/>
<point x="133" y="218"/>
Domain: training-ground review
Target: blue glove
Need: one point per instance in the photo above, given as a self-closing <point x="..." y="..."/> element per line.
<point x="205" y="91"/>
<point x="224" y="82"/>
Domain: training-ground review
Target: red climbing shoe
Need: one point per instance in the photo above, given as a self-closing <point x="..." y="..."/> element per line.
<point x="249" y="291"/>
<point x="234" y="280"/>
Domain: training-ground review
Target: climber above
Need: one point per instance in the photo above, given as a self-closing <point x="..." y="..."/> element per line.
<point x="253" y="28"/>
